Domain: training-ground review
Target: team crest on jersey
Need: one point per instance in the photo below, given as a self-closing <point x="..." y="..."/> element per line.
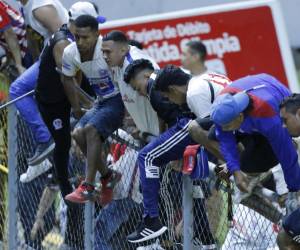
<point x="57" y="124"/>
<point x="103" y="72"/>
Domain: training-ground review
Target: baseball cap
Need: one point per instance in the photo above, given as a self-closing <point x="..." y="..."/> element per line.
<point x="227" y="107"/>
<point x="84" y="8"/>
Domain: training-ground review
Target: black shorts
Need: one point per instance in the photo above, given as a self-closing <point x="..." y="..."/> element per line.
<point x="258" y="155"/>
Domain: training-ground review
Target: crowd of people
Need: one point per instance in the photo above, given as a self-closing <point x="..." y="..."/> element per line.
<point x="79" y="89"/>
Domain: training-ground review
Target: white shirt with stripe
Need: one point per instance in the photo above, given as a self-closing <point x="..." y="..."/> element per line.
<point x="30" y="20"/>
<point x="199" y="96"/>
<point x="139" y="107"/>
<point x="96" y="71"/>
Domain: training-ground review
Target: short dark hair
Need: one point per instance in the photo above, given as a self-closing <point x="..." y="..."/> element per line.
<point x="291" y="103"/>
<point x="116" y="36"/>
<point x="84" y="21"/>
<point x="135" y="43"/>
<point x="135" y="67"/>
<point x="171" y="75"/>
<point x="198" y="47"/>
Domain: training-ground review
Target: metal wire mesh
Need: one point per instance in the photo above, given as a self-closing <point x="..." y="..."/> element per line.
<point x="3" y="162"/>
<point x="43" y="221"/>
<point x="256" y="220"/>
<point x="118" y="219"/>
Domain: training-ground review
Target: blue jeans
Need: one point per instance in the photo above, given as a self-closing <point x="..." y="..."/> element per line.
<point x="106" y="116"/>
<point x="109" y="220"/>
<point x="27" y="106"/>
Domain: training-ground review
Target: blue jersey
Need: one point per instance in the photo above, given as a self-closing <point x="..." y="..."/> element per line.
<point x="263" y="118"/>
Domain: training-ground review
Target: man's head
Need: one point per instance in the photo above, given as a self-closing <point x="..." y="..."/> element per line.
<point x="290" y="114"/>
<point x="82" y="8"/>
<point x="285" y="242"/>
<point x="137" y="74"/>
<point x="85" y="8"/>
<point x="172" y="83"/>
<point x="289" y="236"/>
<point x="228" y="111"/>
<point x="193" y="54"/>
<point x="86" y="33"/>
<point x="115" y="47"/>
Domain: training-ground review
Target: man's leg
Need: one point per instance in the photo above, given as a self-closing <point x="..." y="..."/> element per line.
<point x="79" y="136"/>
<point x="28" y="109"/>
<point x="94" y="156"/>
<point x="57" y="119"/>
<point x="105" y="118"/>
<point x="167" y="147"/>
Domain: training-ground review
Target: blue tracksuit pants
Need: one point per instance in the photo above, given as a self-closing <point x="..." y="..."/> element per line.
<point x="169" y="146"/>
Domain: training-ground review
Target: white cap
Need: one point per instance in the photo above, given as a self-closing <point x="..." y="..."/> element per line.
<point x="82" y="8"/>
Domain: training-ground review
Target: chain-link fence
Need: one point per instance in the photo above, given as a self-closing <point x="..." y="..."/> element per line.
<point x="3" y="161"/>
<point x="199" y="214"/>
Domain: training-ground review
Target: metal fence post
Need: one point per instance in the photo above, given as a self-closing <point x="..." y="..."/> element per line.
<point x="89" y="226"/>
<point x="187" y="201"/>
<point x="12" y="178"/>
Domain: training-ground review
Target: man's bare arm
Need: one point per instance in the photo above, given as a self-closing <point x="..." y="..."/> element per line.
<point x="48" y="17"/>
<point x="14" y="47"/>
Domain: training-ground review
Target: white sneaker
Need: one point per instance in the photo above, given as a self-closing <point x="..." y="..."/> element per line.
<point x="35" y="171"/>
<point x="197" y="244"/>
<point x="153" y="246"/>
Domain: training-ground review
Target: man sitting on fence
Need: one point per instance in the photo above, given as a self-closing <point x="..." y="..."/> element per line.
<point x="159" y="151"/>
<point x="45" y="17"/>
<point x="251" y="105"/>
<point x="106" y="115"/>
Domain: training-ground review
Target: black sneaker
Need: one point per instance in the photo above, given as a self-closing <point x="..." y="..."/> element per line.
<point x="41" y="153"/>
<point x="148" y="229"/>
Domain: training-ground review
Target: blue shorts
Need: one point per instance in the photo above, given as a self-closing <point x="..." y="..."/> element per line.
<point x="106" y="116"/>
<point x="291" y="225"/>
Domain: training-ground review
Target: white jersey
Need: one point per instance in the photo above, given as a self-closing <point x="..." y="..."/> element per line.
<point x="96" y="71"/>
<point x="139" y="107"/>
<point x="129" y="184"/>
<point x="30" y="20"/>
<point x="250" y="231"/>
<point x="199" y="96"/>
